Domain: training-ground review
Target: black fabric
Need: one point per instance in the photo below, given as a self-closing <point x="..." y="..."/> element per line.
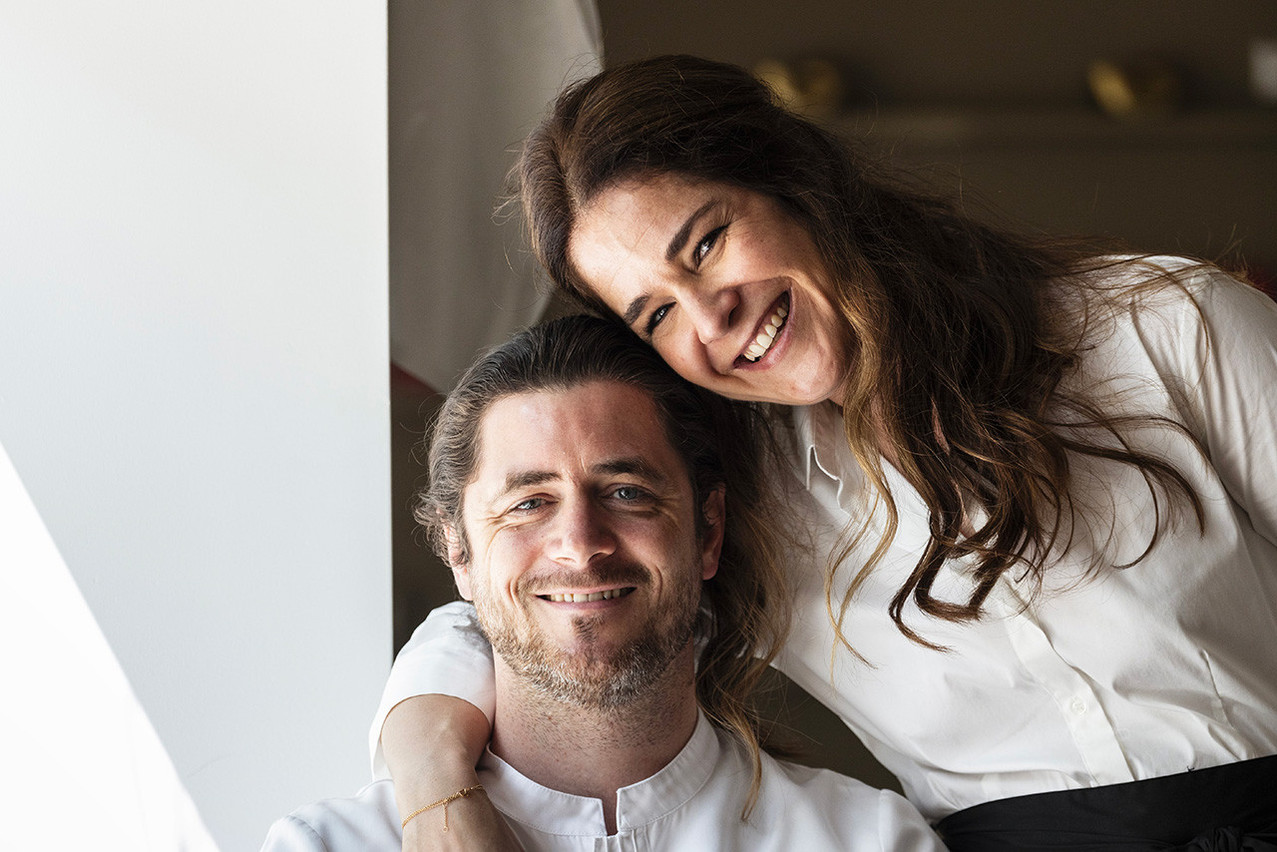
<point x="1231" y="808"/>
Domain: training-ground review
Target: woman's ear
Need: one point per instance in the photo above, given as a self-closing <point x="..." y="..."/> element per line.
<point x="713" y="513"/>
<point x="457" y="560"/>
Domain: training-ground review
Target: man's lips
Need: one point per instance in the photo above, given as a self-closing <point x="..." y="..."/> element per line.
<point x="587" y="597"/>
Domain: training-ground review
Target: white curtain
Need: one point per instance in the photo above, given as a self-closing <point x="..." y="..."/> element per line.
<point x="468" y="80"/>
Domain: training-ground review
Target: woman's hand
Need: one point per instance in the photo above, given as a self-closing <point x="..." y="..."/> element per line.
<point x="431" y="744"/>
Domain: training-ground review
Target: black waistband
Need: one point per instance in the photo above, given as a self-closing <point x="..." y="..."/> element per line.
<point x="1221" y="809"/>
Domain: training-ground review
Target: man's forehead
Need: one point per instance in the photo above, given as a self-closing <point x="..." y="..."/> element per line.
<point x="600" y="425"/>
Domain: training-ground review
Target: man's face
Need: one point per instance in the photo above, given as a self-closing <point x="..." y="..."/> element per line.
<point x="585" y="564"/>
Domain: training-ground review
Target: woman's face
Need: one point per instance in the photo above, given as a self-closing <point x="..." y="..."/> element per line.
<point x="727" y="287"/>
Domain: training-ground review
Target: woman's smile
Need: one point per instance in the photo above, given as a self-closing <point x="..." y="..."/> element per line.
<point x="768" y="332"/>
<point x="722" y="281"/>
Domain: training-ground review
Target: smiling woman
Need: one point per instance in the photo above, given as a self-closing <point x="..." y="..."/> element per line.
<point x="1038" y="472"/>
<point x="722" y="281"/>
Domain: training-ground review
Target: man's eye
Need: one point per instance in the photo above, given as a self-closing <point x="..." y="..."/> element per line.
<point x="629" y="493"/>
<point x="529" y="504"/>
<point x="706" y="245"/>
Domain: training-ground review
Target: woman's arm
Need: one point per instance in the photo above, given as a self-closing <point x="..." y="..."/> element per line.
<point x="431" y="744"/>
<point x="447" y="655"/>
<point x="431" y="729"/>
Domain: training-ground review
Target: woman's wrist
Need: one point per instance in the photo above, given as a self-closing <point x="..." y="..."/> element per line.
<point x="431" y="744"/>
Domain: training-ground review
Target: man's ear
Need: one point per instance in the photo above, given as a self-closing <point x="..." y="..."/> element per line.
<point x="713" y="512"/>
<point x="456" y="560"/>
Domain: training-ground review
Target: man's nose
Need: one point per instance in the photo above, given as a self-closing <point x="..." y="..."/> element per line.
<point x="581" y="533"/>
<point x="712" y="309"/>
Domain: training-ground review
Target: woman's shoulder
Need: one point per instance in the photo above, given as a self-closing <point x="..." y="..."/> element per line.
<point x="1162" y="296"/>
<point x="1173" y="316"/>
<point x="1152" y="281"/>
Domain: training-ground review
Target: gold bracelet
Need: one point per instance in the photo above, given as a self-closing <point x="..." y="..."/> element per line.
<point x="460" y="794"/>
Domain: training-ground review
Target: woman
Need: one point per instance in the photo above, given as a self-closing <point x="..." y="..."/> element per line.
<point x="1042" y="475"/>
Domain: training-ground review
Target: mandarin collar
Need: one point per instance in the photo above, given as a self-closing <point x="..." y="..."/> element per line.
<point x="543" y="809"/>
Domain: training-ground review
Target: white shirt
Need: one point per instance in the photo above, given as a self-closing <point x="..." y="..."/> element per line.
<point x="1137" y="673"/>
<point x="694" y="803"/>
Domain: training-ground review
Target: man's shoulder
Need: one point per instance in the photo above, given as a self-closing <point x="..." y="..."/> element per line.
<point x="367" y="820"/>
<point x="833" y="810"/>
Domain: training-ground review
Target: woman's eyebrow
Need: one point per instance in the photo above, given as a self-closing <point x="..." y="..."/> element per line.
<point x="679" y="240"/>
<point x="635" y="309"/>
<point x="677" y="243"/>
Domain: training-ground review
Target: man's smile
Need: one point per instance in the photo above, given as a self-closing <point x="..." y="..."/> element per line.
<point x="587" y="597"/>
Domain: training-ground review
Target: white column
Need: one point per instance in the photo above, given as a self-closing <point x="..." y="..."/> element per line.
<point x="193" y="370"/>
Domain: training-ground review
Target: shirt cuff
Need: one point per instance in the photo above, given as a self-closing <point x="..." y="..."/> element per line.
<point x="447" y="655"/>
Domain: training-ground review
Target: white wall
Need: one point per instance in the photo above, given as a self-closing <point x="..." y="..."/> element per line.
<point x="193" y="362"/>
<point x="116" y="788"/>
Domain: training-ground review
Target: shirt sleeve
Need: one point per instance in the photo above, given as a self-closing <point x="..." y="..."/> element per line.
<point x="901" y="828"/>
<point x="1230" y="347"/>
<point x="290" y="834"/>
<point x="447" y="655"/>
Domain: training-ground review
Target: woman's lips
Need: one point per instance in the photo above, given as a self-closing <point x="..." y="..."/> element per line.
<point x="768" y="331"/>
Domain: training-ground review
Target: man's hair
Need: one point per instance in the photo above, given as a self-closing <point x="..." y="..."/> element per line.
<point x="746" y="606"/>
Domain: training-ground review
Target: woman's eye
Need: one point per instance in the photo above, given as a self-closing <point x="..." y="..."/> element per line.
<point x="706" y="245"/>
<point x="655" y="319"/>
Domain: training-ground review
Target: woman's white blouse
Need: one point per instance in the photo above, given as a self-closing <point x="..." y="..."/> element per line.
<point x="1134" y="673"/>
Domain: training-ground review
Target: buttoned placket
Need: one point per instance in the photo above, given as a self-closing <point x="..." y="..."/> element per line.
<point x="1079" y="705"/>
<point x="623" y="842"/>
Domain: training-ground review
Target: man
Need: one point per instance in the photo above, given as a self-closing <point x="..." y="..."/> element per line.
<point x="579" y="491"/>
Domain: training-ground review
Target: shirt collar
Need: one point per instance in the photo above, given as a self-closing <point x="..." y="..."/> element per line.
<point x="819" y="434"/>
<point x="553" y="812"/>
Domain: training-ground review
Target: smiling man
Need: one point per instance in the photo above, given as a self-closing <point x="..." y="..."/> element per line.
<point x="581" y="491"/>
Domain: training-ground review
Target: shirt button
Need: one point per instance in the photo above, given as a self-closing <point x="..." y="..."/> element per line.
<point x="1078" y="706"/>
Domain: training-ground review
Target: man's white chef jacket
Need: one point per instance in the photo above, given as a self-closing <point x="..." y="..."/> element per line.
<point x="693" y="804"/>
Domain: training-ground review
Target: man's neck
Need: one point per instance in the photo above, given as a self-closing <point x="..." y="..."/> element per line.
<point x="594" y="752"/>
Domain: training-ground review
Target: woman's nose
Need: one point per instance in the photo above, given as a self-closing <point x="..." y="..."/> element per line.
<point x="581" y="533"/>
<point x="711" y="309"/>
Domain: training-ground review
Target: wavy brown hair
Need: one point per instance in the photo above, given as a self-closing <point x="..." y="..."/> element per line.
<point x="962" y="333"/>
<point x="745" y="607"/>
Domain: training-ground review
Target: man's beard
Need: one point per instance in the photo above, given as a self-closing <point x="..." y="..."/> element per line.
<point x="591" y="676"/>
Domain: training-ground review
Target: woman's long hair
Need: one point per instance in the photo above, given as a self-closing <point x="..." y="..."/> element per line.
<point x="962" y="334"/>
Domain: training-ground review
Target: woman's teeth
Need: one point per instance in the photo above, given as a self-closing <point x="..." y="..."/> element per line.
<point x="767" y="336"/>
<point x="570" y="597"/>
